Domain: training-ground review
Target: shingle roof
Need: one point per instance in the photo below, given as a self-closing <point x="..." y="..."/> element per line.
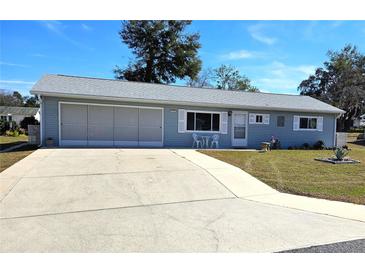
<point x="26" y="111"/>
<point x="74" y="86"/>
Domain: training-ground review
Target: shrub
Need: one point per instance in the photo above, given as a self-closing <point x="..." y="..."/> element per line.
<point x="4" y="126"/>
<point x="12" y="133"/>
<point x="28" y="121"/>
<point x="305" y="146"/>
<point x="357" y="130"/>
<point x="22" y="131"/>
<point x="290" y="147"/>
<point x="319" y="145"/>
<point x="340" y="153"/>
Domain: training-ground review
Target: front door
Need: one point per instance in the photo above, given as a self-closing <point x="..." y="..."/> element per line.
<point x="239" y="128"/>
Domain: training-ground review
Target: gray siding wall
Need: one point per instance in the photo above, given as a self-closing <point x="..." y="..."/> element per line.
<point x="256" y="133"/>
<point x="286" y="135"/>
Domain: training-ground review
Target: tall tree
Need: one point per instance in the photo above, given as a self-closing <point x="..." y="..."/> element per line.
<point x="31" y="101"/>
<point x="341" y="83"/>
<point x="163" y="51"/>
<point x="202" y="80"/>
<point x="229" y="78"/>
<point x="11" y="99"/>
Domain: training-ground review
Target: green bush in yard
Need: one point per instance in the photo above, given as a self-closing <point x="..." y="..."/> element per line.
<point x="12" y="133"/>
<point x="341" y="153"/>
<point x="28" y="121"/>
<point x="4" y="126"/>
<point x="319" y="145"/>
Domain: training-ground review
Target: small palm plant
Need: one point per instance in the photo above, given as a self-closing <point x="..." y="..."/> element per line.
<point x="340" y="153"/>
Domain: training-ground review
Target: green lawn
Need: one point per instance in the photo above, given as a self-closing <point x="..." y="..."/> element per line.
<point x="296" y="171"/>
<point x="9" y="158"/>
<point x="7" y="141"/>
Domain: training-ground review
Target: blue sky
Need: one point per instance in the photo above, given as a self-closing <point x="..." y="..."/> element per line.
<point x="275" y="55"/>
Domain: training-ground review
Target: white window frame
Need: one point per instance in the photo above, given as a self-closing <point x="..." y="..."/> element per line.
<point x="263" y="119"/>
<point x="203" y="111"/>
<point x="309" y="117"/>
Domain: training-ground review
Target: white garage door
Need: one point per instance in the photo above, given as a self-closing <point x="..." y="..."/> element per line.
<point x="101" y="125"/>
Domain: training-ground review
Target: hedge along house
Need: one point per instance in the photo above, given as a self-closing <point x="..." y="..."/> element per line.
<point x="81" y="111"/>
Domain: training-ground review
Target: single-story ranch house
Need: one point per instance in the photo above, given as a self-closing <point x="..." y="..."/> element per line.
<point x="17" y="114"/>
<point x="82" y="111"/>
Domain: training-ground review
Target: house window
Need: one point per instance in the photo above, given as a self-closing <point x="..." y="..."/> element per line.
<point x="259" y="119"/>
<point x="202" y="121"/>
<point x="280" y="122"/>
<point x="3" y="118"/>
<point x="10" y="118"/>
<point x="307" y="123"/>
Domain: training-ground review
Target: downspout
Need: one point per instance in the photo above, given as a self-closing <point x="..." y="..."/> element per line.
<point x="41" y="119"/>
<point x="335" y="130"/>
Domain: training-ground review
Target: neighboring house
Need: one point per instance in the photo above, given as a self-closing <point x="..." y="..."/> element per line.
<point x="17" y="114"/>
<point x="359" y="121"/>
<point x="81" y="111"/>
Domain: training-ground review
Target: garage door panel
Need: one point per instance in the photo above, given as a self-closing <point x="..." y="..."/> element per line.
<point x="74" y="114"/>
<point x="150" y="118"/>
<point x="74" y="123"/>
<point x="73" y="132"/>
<point x="150" y="134"/>
<point x="150" y="127"/>
<point x="126" y="117"/>
<point x="102" y="133"/>
<point x="125" y="126"/>
<point x="100" y="125"/>
<point x="126" y="133"/>
<point x="100" y="115"/>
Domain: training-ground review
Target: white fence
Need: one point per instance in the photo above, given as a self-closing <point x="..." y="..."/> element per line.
<point x="33" y="134"/>
<point x="341" y="139"/>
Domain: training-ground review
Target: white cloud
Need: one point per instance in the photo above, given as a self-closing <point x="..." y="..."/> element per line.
<point x="280" y="77"/>
<point x="17" y="82"/>
<point x="306" y="69"/>
<point x="13" y="64"/>
<point x="335" y="24"/>
<point x="257" y="34"/>
<point x="59" y="28"/>
<point x="86" y="27"/>
<point x="240" y="54"/>
<point x="38" y="55"/>
<point x="54" y="26"/>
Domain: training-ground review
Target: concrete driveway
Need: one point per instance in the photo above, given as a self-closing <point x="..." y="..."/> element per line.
<point x="145" y="200"/>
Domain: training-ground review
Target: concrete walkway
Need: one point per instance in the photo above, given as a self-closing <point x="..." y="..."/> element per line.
<point x="245" y="186"/>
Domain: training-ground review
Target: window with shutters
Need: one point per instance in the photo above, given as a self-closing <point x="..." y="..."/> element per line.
<point x="259" y="119"/>
<point x="202" y="121"/>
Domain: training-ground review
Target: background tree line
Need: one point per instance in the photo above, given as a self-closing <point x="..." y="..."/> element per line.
<point x="15" y="99"/>
<point x="341" y="83"/>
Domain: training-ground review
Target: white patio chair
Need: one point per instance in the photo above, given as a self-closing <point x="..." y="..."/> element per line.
<point x="197" y="142"/>
<point x="215" y="141"/>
